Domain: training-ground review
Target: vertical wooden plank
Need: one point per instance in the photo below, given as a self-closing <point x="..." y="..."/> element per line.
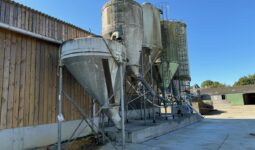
<point x="38" y="20"/>
<point x="47" y="26"/>
<point x="63" y="32"/>
<point x="66" y="32"/>
<point x="51" y="83"/>
<point x="23" y="18"/>
<point x="22" y="82"/>
<point x="75" y="96"/>
<point x="55" y="87"/>
<point x="12" y="10"/>
<point x="7" y="13"/>
<point x="77" y="33"/>
<point x="55" y="29"/>
<point x="31" y="20"/>
<point x="41" y="83"/>
<point x="27" y="82"/>
<point x="43" y="24"/>
<point x="37" y="83"/>
<point x="59" y="31"/>
<point x="39" y="24"/>
<point x="52" y="29"/>
<point x="2" y="10"/>
<point x="7" y="57"/>
<point x="72" y="35"/>
<point x="32" y="88"/>
<point x="34" y="18"/>
<point x="86" y="104"/>
<point x="15" y="106"/>
<point x="46" y="84"/>
<point x="82" y="98"/>
<point x="11" y="80"/>
<point x="2" y="41"/>
<point x="69" y="88"/>
<point x="28" y="19"/>
<point x="72" y="96"/>
<point x="78" y="98"/>
<point x="19" y="17"/>
<point x="15" y="16"/>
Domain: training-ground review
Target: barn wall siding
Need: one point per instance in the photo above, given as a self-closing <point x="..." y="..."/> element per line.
<point x="28" y="69"/>
<point x="25" y="18"/>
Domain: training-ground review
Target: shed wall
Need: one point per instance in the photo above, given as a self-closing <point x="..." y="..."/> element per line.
<point x="235" y="99"/>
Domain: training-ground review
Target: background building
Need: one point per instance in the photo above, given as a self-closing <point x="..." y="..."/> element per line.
<point x="242" y="95"/>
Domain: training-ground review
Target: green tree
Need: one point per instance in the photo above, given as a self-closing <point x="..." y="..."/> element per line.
<point x="245" y="80"/>
<point x="211" y="84"/>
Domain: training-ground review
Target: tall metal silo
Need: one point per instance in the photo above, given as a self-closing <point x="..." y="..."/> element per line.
<point x="152" y="30"/>
<point x="174" y="39"/>
<point x="123" y="20"/>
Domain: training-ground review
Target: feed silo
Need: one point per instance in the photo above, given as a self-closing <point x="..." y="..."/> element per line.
<point x="174" y="39"/>
<point x="152" y="30"/>
<point x="94" y="64"/>
<point x="123" y="20"/>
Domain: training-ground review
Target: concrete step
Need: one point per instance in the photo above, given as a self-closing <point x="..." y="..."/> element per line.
<point x="137" y="131"/>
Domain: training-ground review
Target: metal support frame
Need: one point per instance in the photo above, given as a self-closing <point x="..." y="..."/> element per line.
<point x="60" y="116"/>
<point x="152" y="85"/>
<point x="122" y="106"/>
<point x="85" y="118"/>
<point x="143" y="88"/>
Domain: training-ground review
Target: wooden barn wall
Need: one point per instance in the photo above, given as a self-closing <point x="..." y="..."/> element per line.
<point x="28" y="83"/>
<point x="28" y="69"/>
<point x="22" y="17"/>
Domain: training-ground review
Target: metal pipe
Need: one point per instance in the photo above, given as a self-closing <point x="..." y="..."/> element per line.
<point x="172" y="101"/>
<point x="122" y="106"/>
<point x="143" y="88"/>
<point x="152" y="85"/>
<point x="126" y="112"/>
<point x="60" y="116"/>
<point x="93" y="112"/>
<point x="32" y="34"/>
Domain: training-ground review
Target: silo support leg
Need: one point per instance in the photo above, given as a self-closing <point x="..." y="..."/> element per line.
<point x="60" y="116"/>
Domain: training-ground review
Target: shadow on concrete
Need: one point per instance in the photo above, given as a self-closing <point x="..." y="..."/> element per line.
<point x="215" y="112"/>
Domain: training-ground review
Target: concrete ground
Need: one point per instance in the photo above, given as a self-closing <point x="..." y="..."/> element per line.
<point x="228" y="128"/>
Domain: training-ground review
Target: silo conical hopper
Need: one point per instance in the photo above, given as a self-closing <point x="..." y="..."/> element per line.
<point x="94" y="63"/>
<point x="123" y="20"/>
<point x="164" y="73"/>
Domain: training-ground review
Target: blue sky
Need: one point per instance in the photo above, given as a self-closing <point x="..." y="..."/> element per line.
<point x="221" y="33"/>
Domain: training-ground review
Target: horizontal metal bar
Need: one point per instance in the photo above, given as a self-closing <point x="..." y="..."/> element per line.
<point x="29" y="33"/>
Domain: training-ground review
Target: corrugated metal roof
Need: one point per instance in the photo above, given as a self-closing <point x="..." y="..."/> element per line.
<point x="229" y="90"/>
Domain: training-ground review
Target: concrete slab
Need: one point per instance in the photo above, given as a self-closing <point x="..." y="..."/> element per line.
<point x="209" y="134"/>
<point x="137" y="131"/>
